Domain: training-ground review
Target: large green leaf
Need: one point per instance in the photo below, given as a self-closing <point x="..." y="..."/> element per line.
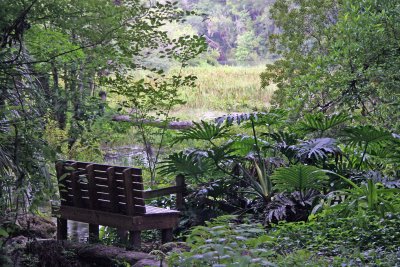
<point x="317" y="149"/>
<point x="319" y="122"/>
<point x="245" y="145"/>
<point x="299" y="177"/>
<point x="203" y="131"/>
<point x="362" y="135"/>
<point x="191" y="164"/>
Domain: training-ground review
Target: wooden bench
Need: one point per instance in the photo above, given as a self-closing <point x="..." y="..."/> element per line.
<point x="113" y="196"/>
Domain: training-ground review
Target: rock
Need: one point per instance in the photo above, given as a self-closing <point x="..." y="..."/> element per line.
<point x="17" y="242"/>
<point x="36" y="226"/>
<point x="55" y="253"/>
<point x="148" y="263"/>
<point x="14" y="248"/>
<point x="175" y="247"/>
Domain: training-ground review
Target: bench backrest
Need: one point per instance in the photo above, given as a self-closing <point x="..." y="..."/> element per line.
<point x="101" y="187"/>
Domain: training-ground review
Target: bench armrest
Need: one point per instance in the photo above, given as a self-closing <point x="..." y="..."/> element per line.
<point x="179" y="189"/>
<point x="148" y="194"/>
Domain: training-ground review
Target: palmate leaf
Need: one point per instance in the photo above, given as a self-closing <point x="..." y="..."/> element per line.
<point x="298" y="178"/>
<point x="362" y="135"/>
<point x="191" y="164"/>
<point x="244" y="144"/>
<point x="320" y="122"/>
<point x="284" y="142"/>
<point x="284" y="138"/>
<point x="203" y="131"/>
<point x="291" y="207"/>
<point x="221" y="153"/>
<point x="317" y="149"/>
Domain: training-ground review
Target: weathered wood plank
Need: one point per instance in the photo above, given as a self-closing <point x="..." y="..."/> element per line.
<point x="93" y="233"/>
<point x="129" y="192"/>
<point x="76" y="190"/>
<point x="112" y="187"/>
<point x="134" y="223"/>
<point x="93" y="196"/>
<point x="62" y="185"/>
<point x="180" y="182"/>
<point x="62" y="229"/>
<point x="135" y="239"/>
<point x="104" y="167"/>
<point x="166" y="235"/>
<point x="162" y="192"/>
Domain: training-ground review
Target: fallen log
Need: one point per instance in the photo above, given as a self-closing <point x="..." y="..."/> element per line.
<point x="173" y="125"/>
<point x="52" y="253"/>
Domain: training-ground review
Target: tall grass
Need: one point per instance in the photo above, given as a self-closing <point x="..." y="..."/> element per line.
<point x="224" y="89"/>
<point x="219" y="90"/>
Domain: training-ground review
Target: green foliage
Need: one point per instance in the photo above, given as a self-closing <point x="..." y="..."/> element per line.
<point x="203" y="131"/>
<point x="247" y="43"/>
<point x="222" y="242"/>
<point x="370" y="196"/>
<point x="192" y="164"/>
<point x="238" y="30"/>
<point x="335" y="57"/>
<point x="259" y="181"/>
<point x="292" y="207"/>
<point x="368" y="139"/>
<point x="51" y="62"/>
<point x="363" y="136"/>
<point x="299" y="178"/>
<point x="326" y="240"/>
<point x="318" y="122"/>
<point x="317" y="149"/>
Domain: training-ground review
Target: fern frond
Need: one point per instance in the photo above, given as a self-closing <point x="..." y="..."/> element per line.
<point x="299" y="177"/>
<point x="203" y="131"/>
<point x="360" y="135"/>
<point x="191" y="164"/>
<point x="320" y="122"/>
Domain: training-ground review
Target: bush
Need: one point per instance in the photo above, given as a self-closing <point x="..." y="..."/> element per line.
<point x="326" y="240"/>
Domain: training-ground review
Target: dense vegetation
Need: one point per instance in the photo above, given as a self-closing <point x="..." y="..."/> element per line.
<point x="237" y="31"/>
<point x="307" y="161"/>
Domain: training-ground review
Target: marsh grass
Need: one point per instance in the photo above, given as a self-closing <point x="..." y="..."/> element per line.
<point x="221" y="90"/>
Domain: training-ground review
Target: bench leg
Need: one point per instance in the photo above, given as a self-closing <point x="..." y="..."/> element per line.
<point x="93" y="233"/>
<point x="122" y="235"/>
<point x="166" y="235"/>
<point x="62" y="229"/>
<point x="135" y="239"/>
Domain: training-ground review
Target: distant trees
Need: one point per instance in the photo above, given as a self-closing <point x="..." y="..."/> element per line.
<point x="338" y="55"/>
<point x="237" y="29"/>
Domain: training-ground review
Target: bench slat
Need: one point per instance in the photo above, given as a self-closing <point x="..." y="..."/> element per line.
<point x="76" y="189"/>
<point x="93" y="196"/>
<point x="103" y="167"/>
